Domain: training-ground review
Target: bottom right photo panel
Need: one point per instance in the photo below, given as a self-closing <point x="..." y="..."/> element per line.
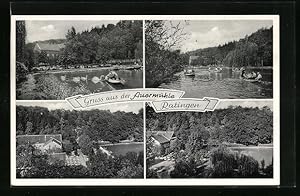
<point x="233" y="141"/>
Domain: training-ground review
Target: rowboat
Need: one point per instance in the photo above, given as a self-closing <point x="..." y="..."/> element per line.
<point x="251" y="80"/>
<point x="189" y="72"/>
<point x="112" y="81"/>
<point x="115" y="81"/>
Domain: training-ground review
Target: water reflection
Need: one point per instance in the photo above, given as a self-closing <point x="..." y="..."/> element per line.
<point x="224" y="84"/>
<point x="93" y="80"/>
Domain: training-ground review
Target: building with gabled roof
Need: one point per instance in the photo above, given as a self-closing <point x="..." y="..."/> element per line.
<point x="52" y="50"/>
<point x="162" y="139"/>
<point x="42" y="142"/>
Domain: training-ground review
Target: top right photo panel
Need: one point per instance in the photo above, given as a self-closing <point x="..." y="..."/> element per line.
<point x="226" y="59"/>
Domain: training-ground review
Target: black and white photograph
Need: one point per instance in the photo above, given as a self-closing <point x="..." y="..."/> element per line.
<point x="140" y="100"/>
<point x="227" y="59"/>
<point x="233" y="141"/>
<point x="56" y="59"/>
<point x="55" y="141"/>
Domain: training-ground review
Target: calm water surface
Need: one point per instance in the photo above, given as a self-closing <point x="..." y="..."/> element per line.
<point x="258" y="153"/>
<point x="133" y="78"/>
<point x="122" y="149"/>
<point x="226" y="84"/>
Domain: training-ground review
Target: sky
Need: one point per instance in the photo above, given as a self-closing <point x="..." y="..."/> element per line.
<point x="43" y="30"/>
<point x="249" y="104"/>
<point x="209" y="33"/>
<point x="52" y="105"/>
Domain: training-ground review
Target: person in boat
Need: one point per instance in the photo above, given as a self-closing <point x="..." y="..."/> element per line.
<point x="253" y="74"/>
<point x="243" y="74"/>
<point x="112" y="75"/>
<point x="259" y="76"/>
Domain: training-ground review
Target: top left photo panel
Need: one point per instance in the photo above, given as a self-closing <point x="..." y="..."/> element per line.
<point x="56" y="59"/>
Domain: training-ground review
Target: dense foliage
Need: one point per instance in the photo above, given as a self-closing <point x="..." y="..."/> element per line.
<point x="97" y="45"/>
<point x="200" y="148"/>
<point x="162" y="61"/>
<point x="95" y="124"/>
<point x="248" y="126"/>
<point x="253" y="50"/>
<point x="31" y="163"/>
<point x="20" y="40"/>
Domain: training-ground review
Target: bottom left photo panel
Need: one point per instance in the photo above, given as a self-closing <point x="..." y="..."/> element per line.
<point x="55" y="141"/>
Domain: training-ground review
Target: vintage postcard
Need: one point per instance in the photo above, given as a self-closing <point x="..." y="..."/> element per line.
<point x="147" y="100"/>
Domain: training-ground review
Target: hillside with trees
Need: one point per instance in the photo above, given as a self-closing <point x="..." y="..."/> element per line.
<point x="255" y="50"/>
<point x="100" y="44"/>
<point x="247" y="126"/>
<point x="93" y="125"/>
<point x="97" y="45"/>
<point x="80" y="130"/>
<point x="202" y="141"/>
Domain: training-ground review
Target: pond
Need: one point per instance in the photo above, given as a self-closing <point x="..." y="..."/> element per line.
<point x="133" y="78"/>
<point x="226" y="84"/>
<point x="123" y="148"/>
<point x="259" y="153"/>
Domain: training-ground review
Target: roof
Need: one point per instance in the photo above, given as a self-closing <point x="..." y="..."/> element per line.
<point x="57" y="156"/>
<point x="161" y="139"/>
<point x="38" y="138"/>
<point x="162" y="136"/>
<point x="52" y="47"/>
<point x="53" y="140"/>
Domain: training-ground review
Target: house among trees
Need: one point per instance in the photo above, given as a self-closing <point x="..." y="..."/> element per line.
<point x="163" y="139"/>
<point x="53" y="147"/>
<point x="51" y="50"/>
<point x="45" y="143"/>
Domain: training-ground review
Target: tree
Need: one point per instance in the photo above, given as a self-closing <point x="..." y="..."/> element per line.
<point x="20" y="40"/>
<point x="43" y="58"/>
<point x="162" y="58"/>
<point x="85" y="144"/>
<point x="68" y="146"/>
<point x="29" y="128"/>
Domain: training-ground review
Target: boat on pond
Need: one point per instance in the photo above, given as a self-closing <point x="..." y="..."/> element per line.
<point x="189" y="72"/>
<point x="236" y="69"/>
<point x="215" y="69"/>
<point x="113" y="78"/>
<point x="251" y="77"/>
<point x="218" y="69"/>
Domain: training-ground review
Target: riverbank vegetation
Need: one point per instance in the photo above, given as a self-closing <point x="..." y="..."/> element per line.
<point x="162" y="59"/>
<point x="81" y="131"/>
<point x="201" y="148"/>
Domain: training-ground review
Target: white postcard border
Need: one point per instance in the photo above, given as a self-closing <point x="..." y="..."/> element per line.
<point x="151" y="182"/>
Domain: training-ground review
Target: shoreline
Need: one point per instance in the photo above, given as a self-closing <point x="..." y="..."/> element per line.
<point x="250" y="67"/>
<point x="125" y="143"/>
<point x="79" y="70"/>
<point x="236" y="146"/>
